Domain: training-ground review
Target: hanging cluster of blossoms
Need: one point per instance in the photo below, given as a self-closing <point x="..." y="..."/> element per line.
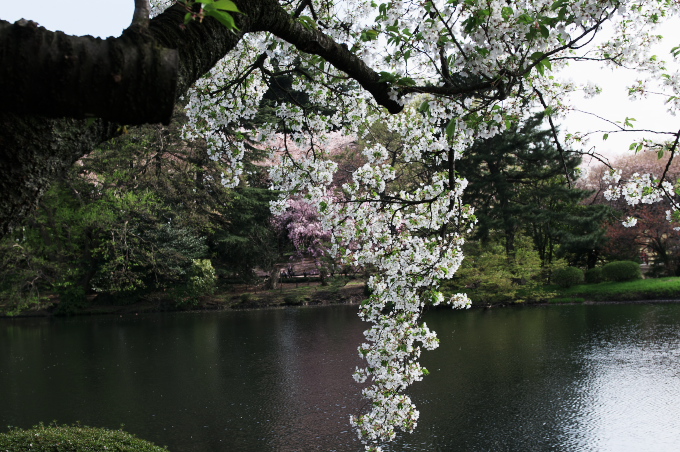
<point x="463" y="70"/>
<point x="638" y="189"/>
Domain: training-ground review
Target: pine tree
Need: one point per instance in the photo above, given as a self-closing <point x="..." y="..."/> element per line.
<point x="520" y="183"/>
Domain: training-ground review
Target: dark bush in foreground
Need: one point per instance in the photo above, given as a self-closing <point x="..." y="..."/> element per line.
<point x="76" y="438"/>
<point x="568" y="276"/>
<point x="594" y="275"/>
<point x="622" y="271"/>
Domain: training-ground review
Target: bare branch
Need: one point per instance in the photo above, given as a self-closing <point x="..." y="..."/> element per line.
<point x="140" y="17"/>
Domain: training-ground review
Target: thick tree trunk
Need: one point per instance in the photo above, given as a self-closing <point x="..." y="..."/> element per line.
<point x="118" y="80"/>
<point x="34" y="149"/>
<point x="82" y="76"/>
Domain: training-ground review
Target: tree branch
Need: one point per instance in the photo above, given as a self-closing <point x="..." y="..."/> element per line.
<point x="140" y="17"/>
<point x="312" y="41"/>
<point x="129" y="79"/>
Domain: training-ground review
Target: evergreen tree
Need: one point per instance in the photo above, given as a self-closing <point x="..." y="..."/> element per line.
<point x="520" y="183"/>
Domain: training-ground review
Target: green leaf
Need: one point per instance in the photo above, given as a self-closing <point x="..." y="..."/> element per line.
<point x="525" y="19"/>
<point x="605" y="136"/>
<point x="406" y="81"/>
<point x="559" y="4"/>
<point x="223" y="17"/>
<point x="226" y="5"/>
<point x="424" y="107"/>
<point x="369" y="35"/>
<point x="540" y="68"/>
<point x="188" y="17"/>
<point x="307" y="22"/>
<point x="387" y="77"/>
<point x="659" y="154"/>
<point x="451" y="128"/>
<point x="537" y="56"/>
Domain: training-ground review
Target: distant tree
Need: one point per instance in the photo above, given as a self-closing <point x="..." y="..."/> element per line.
<point x="652" y="238"/>
<point x="301" y="225"/>
<point x="248" y="239"/>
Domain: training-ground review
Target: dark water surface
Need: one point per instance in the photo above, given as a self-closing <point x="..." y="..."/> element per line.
<point x="559" y="378"/>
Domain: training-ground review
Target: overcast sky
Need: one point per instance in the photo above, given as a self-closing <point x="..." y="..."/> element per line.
<point x="101" y="18"/>
<point x="110" y="17"/>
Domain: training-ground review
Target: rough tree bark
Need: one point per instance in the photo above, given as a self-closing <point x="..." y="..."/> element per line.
<point x="81" y="77"/>
<point x="133" y="79"/>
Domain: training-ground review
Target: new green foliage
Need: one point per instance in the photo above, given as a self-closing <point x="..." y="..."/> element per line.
<point x="489" y="276"/>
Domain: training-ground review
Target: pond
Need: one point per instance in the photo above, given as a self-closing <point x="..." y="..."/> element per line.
<point x="567" y="378"/>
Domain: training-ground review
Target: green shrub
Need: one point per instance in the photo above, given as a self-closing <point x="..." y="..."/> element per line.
<point x="622" y="271"/>
<point x="202" y="281"/>
<point x="594" y="275"/>
<point x="488" y="276"/>
<point x="202" y="277"/>
<point x="292" y="300"/>
<point x="76" y="438"/>
<point x="568" y="276"/>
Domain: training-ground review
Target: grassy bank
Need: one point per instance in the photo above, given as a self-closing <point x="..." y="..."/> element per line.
<point x="642" y="289"/>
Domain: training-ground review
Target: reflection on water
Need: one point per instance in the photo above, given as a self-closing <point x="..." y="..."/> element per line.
<point x="632" y="386"/>
<point x="563" y="378"/>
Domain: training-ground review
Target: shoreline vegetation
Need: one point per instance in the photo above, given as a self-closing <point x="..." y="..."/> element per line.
<point x="291" y="292"/>
<point x="343" y="290"/>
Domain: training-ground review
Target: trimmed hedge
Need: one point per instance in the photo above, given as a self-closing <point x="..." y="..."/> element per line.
<point x="568" y="277"/>
<point x="76" y="438"/>
<point x="622" y="271"/>
<point x="594" y="275"/>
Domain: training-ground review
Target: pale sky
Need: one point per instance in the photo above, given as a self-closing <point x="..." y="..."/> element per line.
<point x="110" y="17"/>
<point x="101" y="18"/>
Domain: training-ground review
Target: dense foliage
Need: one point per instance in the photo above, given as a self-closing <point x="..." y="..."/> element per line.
<point x="145" y="213"/>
